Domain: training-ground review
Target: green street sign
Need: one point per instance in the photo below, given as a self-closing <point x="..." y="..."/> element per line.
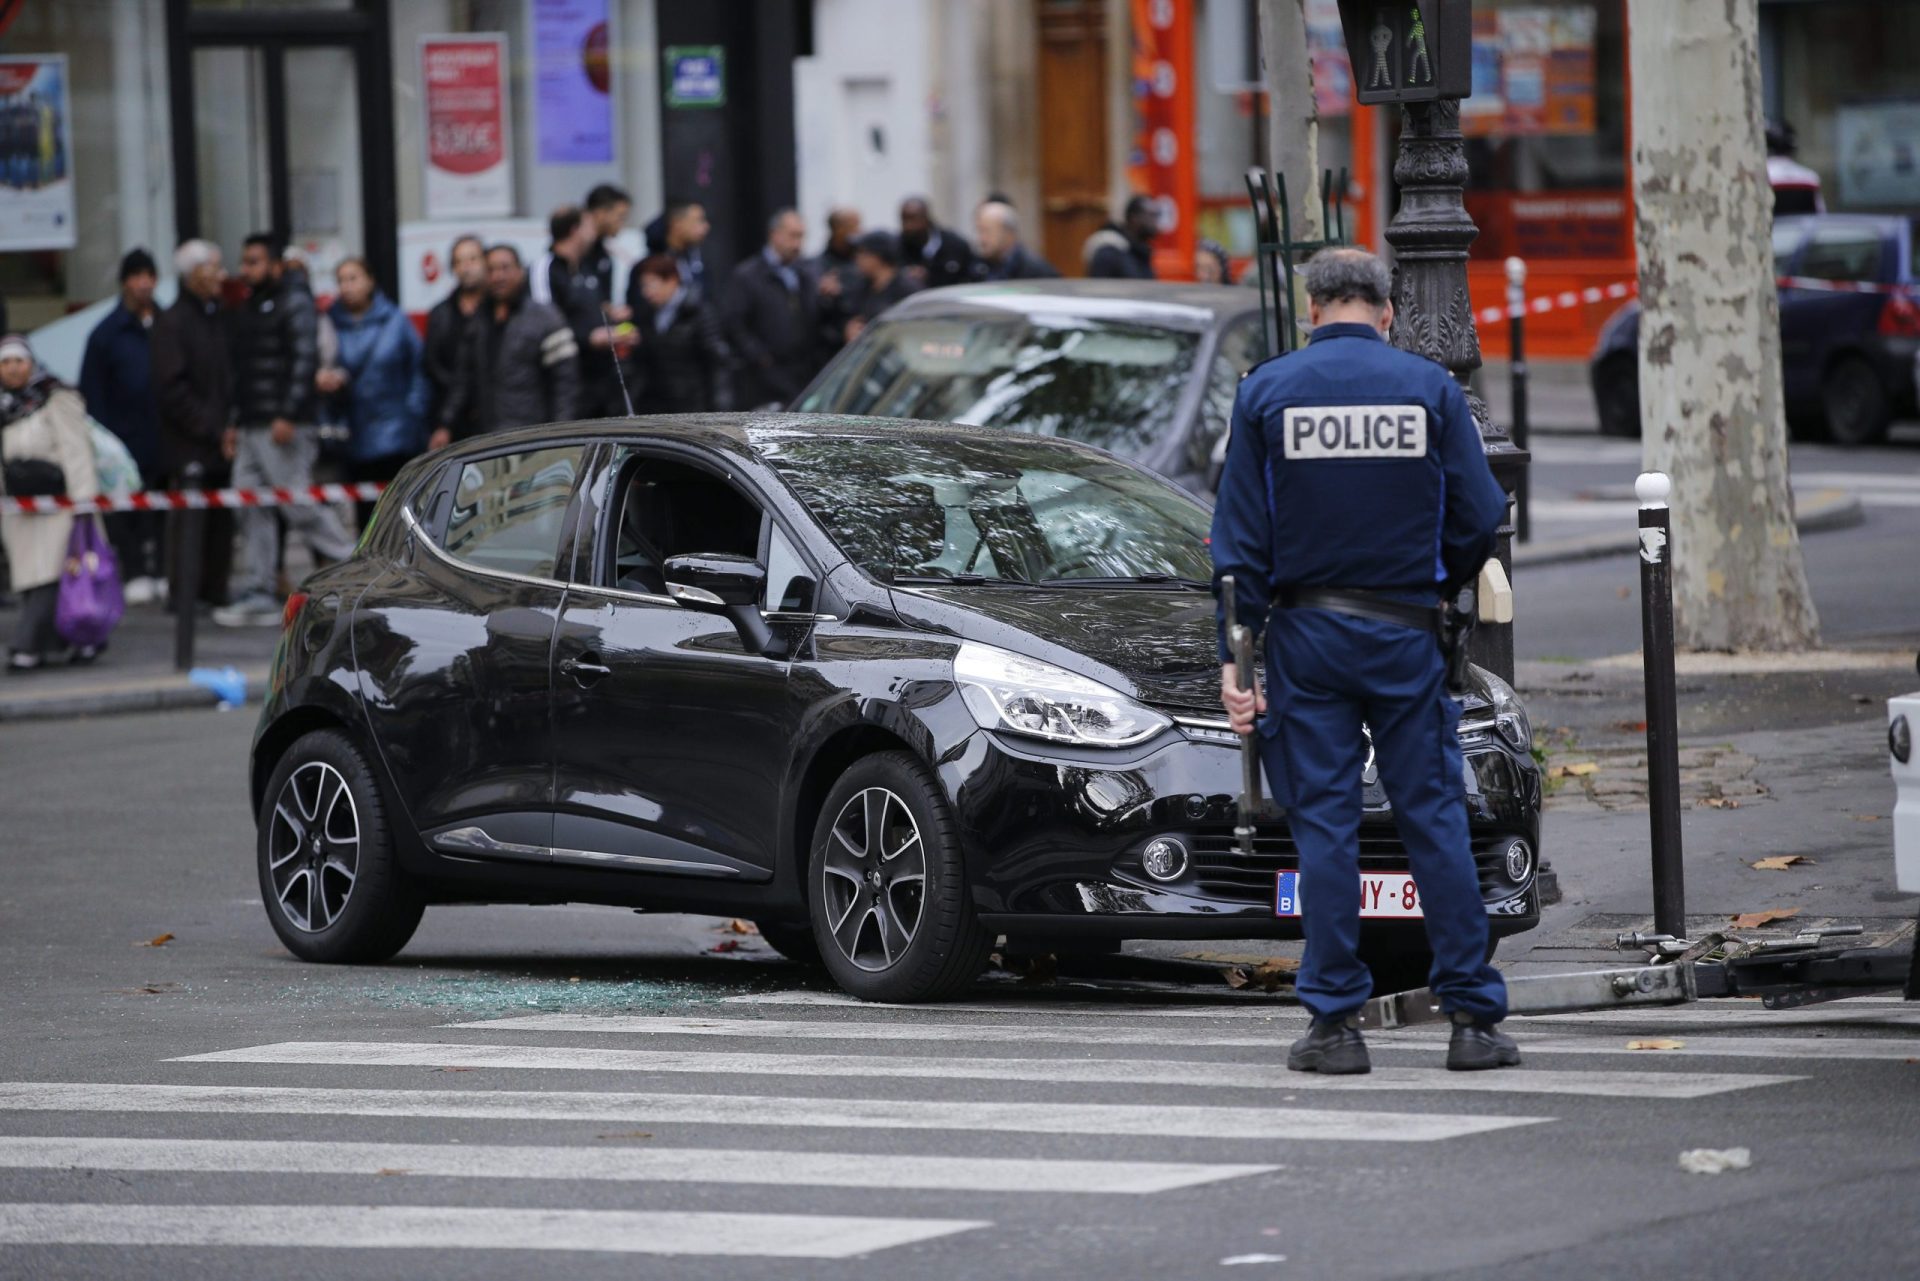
<point x="1409" y="50"/>
<point x="696" y="75"/>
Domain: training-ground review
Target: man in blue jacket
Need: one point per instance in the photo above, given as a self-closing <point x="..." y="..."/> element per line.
<point x="1356" y="496"/>
<point x="116" y="380"/>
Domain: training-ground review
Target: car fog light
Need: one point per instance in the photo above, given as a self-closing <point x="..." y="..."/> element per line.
<point x="1165" y="859"/>
<point x="1519" y="860"/>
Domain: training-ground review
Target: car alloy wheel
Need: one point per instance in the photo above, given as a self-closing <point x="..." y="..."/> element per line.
<point x="874" y="879"/>
<point x="314" y="847"/>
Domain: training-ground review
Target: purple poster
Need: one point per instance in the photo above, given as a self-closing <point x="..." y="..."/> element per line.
<point x="572" y="88"/>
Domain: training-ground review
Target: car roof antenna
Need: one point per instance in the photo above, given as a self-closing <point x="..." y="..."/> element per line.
<point x="619" y="372"/>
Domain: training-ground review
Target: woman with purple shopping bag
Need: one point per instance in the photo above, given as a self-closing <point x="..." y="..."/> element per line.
<point x="62" y="565"/>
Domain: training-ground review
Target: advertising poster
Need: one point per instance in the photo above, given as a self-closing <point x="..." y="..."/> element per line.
<point x="1332" y="70"/>
<point x="469" y="153"/>
<point x="36" y="154"/>
<point x="1158" y="165"/>
<point x="1485" y="111"/>
<point x="572" y="79"/>
<point x="1534" y="72"/>
<point x="1880" y="154"/>
<point x="1525" y="37"/>
<point x="1570" y="73"/>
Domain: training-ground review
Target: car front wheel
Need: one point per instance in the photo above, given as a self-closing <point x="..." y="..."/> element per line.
<point x="327" y="871"/>
<point x="1854" y="402"/>
<point x="891" y="911"/>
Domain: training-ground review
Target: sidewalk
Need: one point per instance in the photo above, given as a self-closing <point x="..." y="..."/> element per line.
<point x="136" y="673"/>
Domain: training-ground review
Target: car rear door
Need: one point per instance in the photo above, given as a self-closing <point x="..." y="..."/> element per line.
<point x="454" y="647"/>
<point x="671" y="740"/>
<point x="1821" y="315"/>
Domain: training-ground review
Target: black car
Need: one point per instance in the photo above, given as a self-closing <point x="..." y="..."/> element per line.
<point x="1849" y="331"/>
<point x="888" y="689"/>
<point x="1144" y="369"/>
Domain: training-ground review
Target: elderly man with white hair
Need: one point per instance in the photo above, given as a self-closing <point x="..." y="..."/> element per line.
<point x="998" y="253"/>
<point x="193" y="383"/>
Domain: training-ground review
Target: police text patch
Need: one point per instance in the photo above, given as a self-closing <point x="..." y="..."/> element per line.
<point x="1356" y="431"/>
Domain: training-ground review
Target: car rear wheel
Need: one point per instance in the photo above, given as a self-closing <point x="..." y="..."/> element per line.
<point x="1616" y="396"/>
<point x="327" y="873"/>
<point x="1854" y="402"/>
<point x="892" y="915"/>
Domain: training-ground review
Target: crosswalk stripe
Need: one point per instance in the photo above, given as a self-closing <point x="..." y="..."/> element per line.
<point x="1262" y="1009"/>
<point x="649" y="1164"/>
<point x="1605" y="1084"/>
<point x="1192" y="1074"/>
<point x="390" y="1227"/>
<point x="1746" y="1014"/>
<point x="1157" y="1120"/>
<point x="1743" y="1047"/>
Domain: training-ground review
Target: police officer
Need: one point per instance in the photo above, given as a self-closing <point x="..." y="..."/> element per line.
<point x="1356" y="496"/>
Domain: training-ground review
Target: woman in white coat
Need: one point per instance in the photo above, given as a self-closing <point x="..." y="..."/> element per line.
<point x="41" y="419"/>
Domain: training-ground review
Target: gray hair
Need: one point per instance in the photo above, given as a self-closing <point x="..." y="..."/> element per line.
<point x="193" y="255"/>
<point x="1347" y="275"/>
<point x="1003" y="214"/>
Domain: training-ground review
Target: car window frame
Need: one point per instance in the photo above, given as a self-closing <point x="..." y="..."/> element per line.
<point x="449" y="477"/>
<point x="1843" y="233"/>
<point x="1197" y="457"/>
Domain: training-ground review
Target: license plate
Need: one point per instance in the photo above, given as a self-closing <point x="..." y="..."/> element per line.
<point x="1383" y="896"/>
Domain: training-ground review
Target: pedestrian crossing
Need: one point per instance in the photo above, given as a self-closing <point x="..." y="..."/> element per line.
<point x="1075" y="1099"/>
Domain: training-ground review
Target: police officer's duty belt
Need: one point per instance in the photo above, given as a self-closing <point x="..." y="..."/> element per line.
<point x="1359" y="604"/>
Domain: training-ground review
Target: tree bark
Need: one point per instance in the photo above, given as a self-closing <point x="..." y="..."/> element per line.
<point x="1710" y="395"/>
<point x="1293" y="121"/>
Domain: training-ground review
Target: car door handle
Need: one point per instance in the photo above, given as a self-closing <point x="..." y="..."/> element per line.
<point x="584" y="669"/>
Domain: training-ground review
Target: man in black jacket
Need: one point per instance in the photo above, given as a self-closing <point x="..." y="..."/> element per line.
<point x="772" y="317"/>
<point x="836" y="280"/>
<point x="682" y="367"/>
<point x="448" y="325"/>
<point x="193" y="386"/>
<point x="1125" y="251"/>
<point x="999" y="255"/>
<point x="522" y="364"/>
<point x="937" y="255"/>
<point x="877" y="256"/>
<point x="275" y="356"/>
<point x="565" y="280"/>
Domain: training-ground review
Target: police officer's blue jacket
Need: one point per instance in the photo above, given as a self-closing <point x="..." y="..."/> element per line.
<point x="1352" y="464"/>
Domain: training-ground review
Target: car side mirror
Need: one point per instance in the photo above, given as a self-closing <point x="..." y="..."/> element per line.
<point x="727" y="585"/>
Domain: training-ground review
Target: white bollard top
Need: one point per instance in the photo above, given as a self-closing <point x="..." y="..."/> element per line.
<point x="1652" y="488"/>
<point x="1516" y="271"/>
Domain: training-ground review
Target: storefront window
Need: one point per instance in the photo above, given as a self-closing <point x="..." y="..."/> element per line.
<point x="1546" y="130"/>
<point x="1847" y="89"/>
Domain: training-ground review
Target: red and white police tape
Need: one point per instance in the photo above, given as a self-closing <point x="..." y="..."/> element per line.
<point x="160" y="500"/>
<point x="1560" y="301"/>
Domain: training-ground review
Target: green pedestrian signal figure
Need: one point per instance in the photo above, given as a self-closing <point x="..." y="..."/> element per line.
<point x="1417" y="41"/>
<point x="1381" y="38"/>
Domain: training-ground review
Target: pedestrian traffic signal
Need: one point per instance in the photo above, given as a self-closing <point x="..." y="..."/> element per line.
<point x="1409" y="50"/>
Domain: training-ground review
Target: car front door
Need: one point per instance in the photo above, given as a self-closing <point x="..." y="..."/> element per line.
<point x="671" y="739"/>
<point x="454" y="647"/>
<point x="1817" y="316"/>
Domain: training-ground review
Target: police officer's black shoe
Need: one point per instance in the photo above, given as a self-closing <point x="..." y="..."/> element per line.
<point x="1333" y="1047"/>
<point x="1477" y="1046"/>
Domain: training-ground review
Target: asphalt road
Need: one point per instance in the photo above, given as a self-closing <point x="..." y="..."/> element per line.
<point x="211" y="1108"/>
<point x="1862" y="577"/>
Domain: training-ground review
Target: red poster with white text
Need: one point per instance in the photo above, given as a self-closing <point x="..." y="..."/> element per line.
<point x="469" y="171"/>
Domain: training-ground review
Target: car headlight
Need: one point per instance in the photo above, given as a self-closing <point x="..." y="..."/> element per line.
<point x="1509" y="714"/>
<point x="1026" y="696"/>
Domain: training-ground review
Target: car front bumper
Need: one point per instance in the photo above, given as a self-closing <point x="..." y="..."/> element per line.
<point x="1055" y="835"/>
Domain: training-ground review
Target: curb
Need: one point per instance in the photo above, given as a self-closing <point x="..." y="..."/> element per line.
<point x="1824" y="510"/>
<point x="170" y="692"/>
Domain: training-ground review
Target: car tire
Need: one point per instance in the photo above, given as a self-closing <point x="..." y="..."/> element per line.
<point x="883" y="934"/>
<point x="328" y="877"/>
<point x="1616" y="396"/>
<point x="1854" y="403"/>
<point x="795" y="942"/>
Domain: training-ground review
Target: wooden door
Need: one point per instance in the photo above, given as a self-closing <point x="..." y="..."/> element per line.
<point x="1072" y="127"/>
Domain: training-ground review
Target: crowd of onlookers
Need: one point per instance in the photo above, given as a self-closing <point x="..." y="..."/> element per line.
<point x="278" y="391"/>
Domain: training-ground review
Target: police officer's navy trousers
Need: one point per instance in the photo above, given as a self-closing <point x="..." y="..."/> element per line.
<point x="1327" y="673"/>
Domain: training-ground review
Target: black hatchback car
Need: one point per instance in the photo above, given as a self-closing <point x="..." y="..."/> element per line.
<point x="888" y="689"/>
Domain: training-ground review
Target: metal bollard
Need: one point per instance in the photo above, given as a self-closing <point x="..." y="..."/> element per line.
<point x="188" y="549"/>
<point x="1663" y="718"/>
<point x="1517" y="338"/>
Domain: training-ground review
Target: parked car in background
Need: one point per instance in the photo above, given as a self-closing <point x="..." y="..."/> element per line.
<point x="1143" y="369"/>
<point x="1849" y="330"/>
<point x="888" y="689"/>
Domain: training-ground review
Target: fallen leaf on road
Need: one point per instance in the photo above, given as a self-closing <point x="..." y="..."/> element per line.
<point x="1268" y="976"/>
<point x="392" y="1171"/>
<point x="1715" y="1160"/>
<point x="1721" y="803"/>
<point x="454" y="1069"/>
<point x="627" y="1134"/>
<point x="726" y="945"/>
<point x="738" y="926"/>
<point x="574" y="979"/>
<point x="1780" y="862"/>
<point x="1754" y="920"/>
<point x="1658" y="1043"/>
<point x="158" y="940"/>
<point x="148" y="989"/>
<point x="1866" y="818"/>
<point x="1579" y="769"/>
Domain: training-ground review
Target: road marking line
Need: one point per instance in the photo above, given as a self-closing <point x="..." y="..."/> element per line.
<point x="1045" y="1008"/>
<point x="432" y="1227"/>
<point x="1755" y="1047"/>
<point x="623" y="1164"/>
<point x="1145" y="1120"/>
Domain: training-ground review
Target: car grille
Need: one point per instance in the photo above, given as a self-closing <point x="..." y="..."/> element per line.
<point x="1223" y="871"/>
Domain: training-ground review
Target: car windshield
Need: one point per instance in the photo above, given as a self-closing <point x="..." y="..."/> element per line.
<point x="912" y="508"/>
<point x="1106" y="383"/>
